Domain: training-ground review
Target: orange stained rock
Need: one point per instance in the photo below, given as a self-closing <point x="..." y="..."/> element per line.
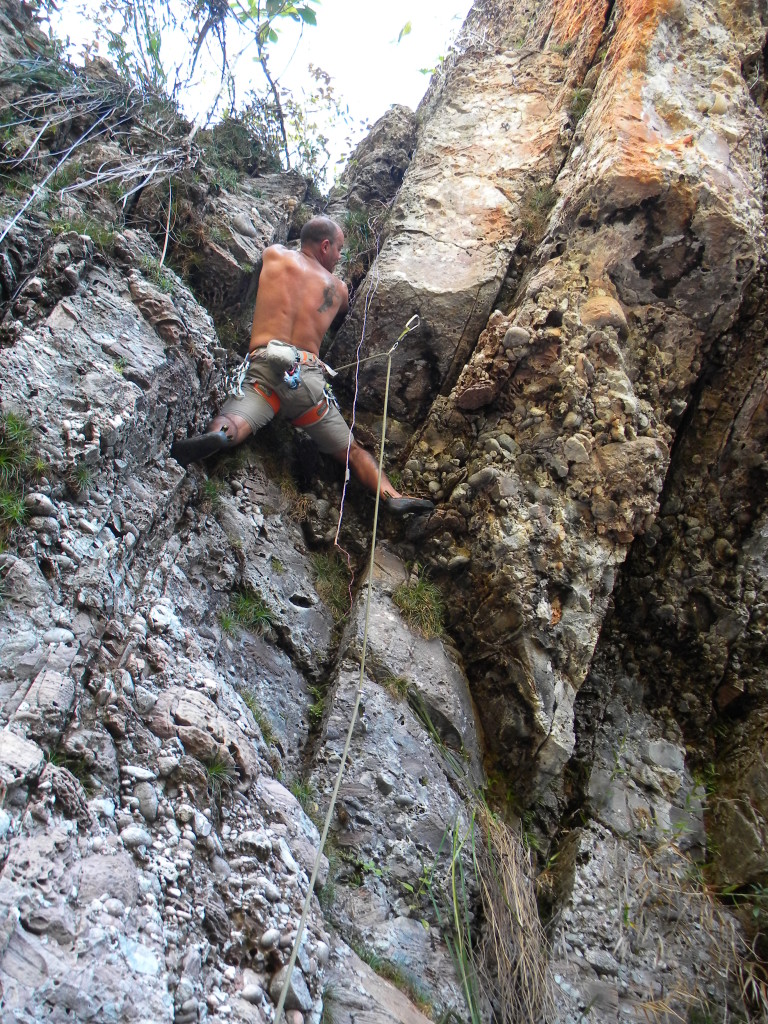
<point x="637" y="25"/>
<point x="572" y="16"/>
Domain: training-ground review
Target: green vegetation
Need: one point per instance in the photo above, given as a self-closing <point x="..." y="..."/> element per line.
<point x="421" y="604"/>
<point x="397" y="686"/>
<point x="66" y="175"/>
<point x="211" y="492"/>
<point x="158" y="275"/>
<point x="362" y="233"/>
<point x="580" y="102"/>
<point x="251" y="611"/>
<point x="76" y="765"/>
<point x="220" y="774"/>
<point x="260" y="718"/>
<point x="535" y="208"/>
<point x="305" y="793"/>
<point x="16" y="464"/>
<point x="12" y="509"/>
<point x="80" y="478"/>
<point x="228" y="622"/>
<point x="119" y="365"/>
<point x="103" y="237"/>
<point x="317" y="709"/>
<point x="246" y="610"/>
<point x="331" y="577"/>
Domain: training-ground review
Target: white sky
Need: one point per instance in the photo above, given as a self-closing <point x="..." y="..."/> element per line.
<point x="354" y="42"/>
<point x="370" y="69"/>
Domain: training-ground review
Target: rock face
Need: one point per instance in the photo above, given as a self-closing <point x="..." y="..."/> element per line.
<point x="577" y="216"/>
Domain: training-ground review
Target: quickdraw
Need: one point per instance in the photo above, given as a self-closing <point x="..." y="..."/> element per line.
<point x="236" y="379"/>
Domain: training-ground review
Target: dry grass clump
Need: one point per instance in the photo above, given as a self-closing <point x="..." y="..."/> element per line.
<point x="503" y="968"/>
<point x="514" y="954"/>
<point x="670" y="882"/>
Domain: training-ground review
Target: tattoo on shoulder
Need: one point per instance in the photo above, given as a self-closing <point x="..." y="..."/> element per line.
<point x="329" y="298"/>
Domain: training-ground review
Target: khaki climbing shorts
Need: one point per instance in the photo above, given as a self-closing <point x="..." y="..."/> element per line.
<point x="310" y="406"/>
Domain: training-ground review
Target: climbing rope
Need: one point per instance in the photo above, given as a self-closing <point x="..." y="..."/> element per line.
<point x="412" y="324"/>
<point x="373" y="284"/>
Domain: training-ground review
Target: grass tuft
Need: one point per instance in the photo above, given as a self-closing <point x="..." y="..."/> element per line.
<point x="397" y="686"/>
<point x="260" y="718"/>
<point x="332" y="582"/>
<point x="580" y="102"/>
<point x="211" y="492"/>
<point x="421" y="604"/>
<point x="158" y="275"/>
<point x="16" y="463"/>
<point x="228" y="622"/>
<point x="80" y="478"/>
<point x="251" y="611"/>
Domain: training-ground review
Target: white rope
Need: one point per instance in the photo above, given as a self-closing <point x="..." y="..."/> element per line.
<point x="373" y="284"/>
<point x="410" y="326"/>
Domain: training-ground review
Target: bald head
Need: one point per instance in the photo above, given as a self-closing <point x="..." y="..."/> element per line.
<point x="318" y="230"/>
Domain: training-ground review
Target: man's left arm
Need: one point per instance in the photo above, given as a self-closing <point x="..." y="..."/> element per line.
<point x="343" y="308"/>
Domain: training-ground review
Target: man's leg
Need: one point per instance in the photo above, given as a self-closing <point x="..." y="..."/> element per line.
<point x="365" y="469"/>
<point x="235" y="427"/>
<point x="224" y="431"/>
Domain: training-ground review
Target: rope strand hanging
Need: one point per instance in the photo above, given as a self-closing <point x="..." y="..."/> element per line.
<point x="412" y="324"/>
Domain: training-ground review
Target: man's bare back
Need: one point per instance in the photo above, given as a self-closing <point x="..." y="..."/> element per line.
<point x="297" y="301"/>
<point x="298" y="297"/>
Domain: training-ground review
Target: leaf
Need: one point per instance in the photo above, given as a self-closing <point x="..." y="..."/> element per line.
<point x="308" y="16"/>
<point x="404" y="31"/>
<point x="272" y="36"/>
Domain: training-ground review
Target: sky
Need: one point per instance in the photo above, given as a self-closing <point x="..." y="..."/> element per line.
<point x="370" y="69"/>
<point x="356" y="44"/>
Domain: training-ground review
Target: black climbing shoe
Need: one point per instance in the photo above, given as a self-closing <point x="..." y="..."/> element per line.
<point x="192" y="449"/>
<point x="402" y="506"/>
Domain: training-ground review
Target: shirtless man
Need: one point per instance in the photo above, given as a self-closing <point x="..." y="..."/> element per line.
<point x="298" y="299"/>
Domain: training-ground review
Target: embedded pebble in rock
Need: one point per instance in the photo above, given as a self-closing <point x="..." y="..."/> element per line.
<point x="146" y="794"/>
<point x="257" y="842"/>
<point x="286" y="857"/>
<point x="134" y="836"/>
<point x="220" y="867"/>
<point x="252" y="993"/>
<point x="269" y="938"/>
<point x="136" y="772"/>
<point x="269" y="889"/>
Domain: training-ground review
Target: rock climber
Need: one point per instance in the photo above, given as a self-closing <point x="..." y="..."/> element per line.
<point x="298" y="299"/>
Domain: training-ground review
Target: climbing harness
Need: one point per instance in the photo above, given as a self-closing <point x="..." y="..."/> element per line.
<point x="412" y="324"/>
<point x="281" y="356"/>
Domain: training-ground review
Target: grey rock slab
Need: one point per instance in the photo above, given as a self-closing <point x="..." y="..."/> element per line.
<point x="354" y="992"/>
<point x="21" y="760"/>
<point x="298" y="996"/>
<point x="431" y="668"/>
<point x="112" y="875"/>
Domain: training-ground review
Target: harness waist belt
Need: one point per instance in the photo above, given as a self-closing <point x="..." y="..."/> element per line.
<point x="302" y="357"/>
